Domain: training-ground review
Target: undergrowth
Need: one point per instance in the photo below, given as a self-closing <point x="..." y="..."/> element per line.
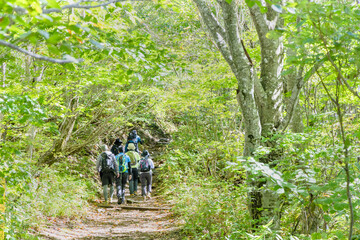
<point x="211" y="209"/>
<point x="33" y="194"/>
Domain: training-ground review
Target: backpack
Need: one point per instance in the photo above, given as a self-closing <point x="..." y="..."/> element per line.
<point x="132" y="155"/>
<point x="107" y="164"/>
<point x="115" y="149"/>
<point x="144" y="165"/>
<point x="131" y="136"/>
<point x="122" y="164"/>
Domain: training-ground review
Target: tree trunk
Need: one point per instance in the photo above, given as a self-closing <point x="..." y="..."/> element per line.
<point x="65" y="129"/>
<point x="3" y="74"/>
<point x="32" y="136"/>
<point x="260" y="99"/>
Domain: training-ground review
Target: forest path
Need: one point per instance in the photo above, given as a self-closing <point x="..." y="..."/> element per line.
<point x="117" y="222"/>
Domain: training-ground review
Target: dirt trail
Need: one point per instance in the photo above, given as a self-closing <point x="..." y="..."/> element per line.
<point x="117" y="223"/>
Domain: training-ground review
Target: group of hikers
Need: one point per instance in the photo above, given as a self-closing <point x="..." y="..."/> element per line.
<point x="126" y="163"/>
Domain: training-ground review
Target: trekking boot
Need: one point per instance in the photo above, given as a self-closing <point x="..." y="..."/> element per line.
<point x="149" y="195"/>
<point x="144" y="197"/>
<point x="120" y="201"/>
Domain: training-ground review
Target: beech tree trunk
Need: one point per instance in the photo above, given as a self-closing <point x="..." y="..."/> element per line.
<point x="260" y="98"/>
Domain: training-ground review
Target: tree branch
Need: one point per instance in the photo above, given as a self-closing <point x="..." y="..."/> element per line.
<point x="216" y="30"/>
<point x="236" y="48"/>
<point x="260" y="23"/>
<point x="246" y="53"/>
<point x="77" y="5"/>
<point x="74" y="5"/>
<point x="342" y="77"/>
<point x="294" y="98"/>
<point x="333" y="63"/>
<point x="37" y="56"/>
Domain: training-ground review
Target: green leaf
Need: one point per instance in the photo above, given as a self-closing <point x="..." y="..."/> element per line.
<point x="66" y="47"/>
<point x="347" y="10"/>
<point x="263" y="9"/>
<point x="353" y="35"/>
<point x="327" y="218"/>
<point x="347" y="142"/>
<point x="178" y="10"/>
<point x="53" y="4"/>
<point x="96" y="44"/>
<point x="291" y="10"/>
<point x="300" y="23"/>
<point x="69" y="66"/>
<point x="76" y="28"/>
<point x="25" y="35"/>
<point x="54" y="38"/>
<point x="45" y="16"/>
<point x="250" y="3"/>
<point x="288" y="71"/>
<point x="228" y="1"/>
<point x="4" y="22"/>
<point x="357" y="134"/>
<point x="340" y="206"/>
<point x="44" y="34"/>
<point x="316" y="236"/>
<point x="52" y="49"/>
<point x="280" y="191"/>
<point x="276" y="8"/>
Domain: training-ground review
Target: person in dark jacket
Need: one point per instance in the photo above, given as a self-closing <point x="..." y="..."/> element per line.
<point x="135" y="139"/>
<point x="107" y="175"/>
<point x="115" y="149"/>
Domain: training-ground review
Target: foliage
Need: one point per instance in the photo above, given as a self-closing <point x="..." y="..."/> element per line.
<point x="318" y="191"/>
<point x="153" y="65"/>
<point x="32" y="194"/>
<point x="212" y="209"/>
<point x="56" y="114"/>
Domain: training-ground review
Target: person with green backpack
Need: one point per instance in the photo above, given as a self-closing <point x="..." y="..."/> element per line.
<point x="125" y="173"/>
<point x="134" y="157"/>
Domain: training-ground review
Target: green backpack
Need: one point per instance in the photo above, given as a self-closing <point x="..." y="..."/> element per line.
<point x="122" y="164"/>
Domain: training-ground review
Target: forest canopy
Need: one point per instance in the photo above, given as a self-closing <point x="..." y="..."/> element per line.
<point x="250" y="107"/>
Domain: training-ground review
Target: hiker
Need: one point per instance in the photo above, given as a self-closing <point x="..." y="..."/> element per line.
<point x="145" y="167"/>
<point x="133" y="138"/>
<point x="134" y="158"/>
<point x="107" y="167"/>
<point x="116" y="147"/>
<point x="125" y="173"/>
